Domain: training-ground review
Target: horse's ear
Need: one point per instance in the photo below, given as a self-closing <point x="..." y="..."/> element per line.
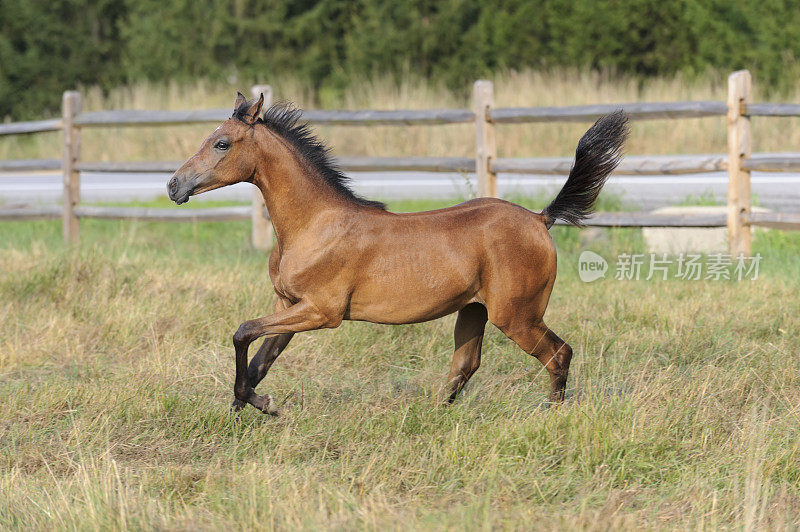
<point x="240" y="101"/>
<point x="250" y="116"/>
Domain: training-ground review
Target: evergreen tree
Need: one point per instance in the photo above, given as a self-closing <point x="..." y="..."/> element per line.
<point x="48" y="47"/>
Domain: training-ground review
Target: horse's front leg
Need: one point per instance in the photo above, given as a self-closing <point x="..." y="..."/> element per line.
<point x="269" y="351"/>
<point x="261" y="362"/>
<point x="302" y="316"/>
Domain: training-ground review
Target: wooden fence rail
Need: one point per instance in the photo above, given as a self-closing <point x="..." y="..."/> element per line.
<point x="27" y="165"/>
<point x="584" y="113"/>
<point x="738" y="162"/>
<point x="37" y="126"/>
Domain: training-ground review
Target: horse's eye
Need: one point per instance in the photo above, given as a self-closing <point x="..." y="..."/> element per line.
<point x="222" y="145"/>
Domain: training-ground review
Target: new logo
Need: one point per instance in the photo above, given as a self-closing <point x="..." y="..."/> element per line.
<point x="591" y="266"/>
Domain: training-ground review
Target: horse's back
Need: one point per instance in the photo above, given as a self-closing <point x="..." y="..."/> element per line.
<point x="493" y="224"/>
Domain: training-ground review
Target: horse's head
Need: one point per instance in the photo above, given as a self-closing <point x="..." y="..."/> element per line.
<point x="226" y="157"/>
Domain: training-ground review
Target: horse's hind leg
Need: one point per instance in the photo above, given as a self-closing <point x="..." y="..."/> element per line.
<point x="556" y="355"/>
<point x="553" y="352"/>
<point x="468" y="336"/>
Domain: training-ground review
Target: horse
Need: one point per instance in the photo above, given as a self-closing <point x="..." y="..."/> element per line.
<point x="338" y="256"/>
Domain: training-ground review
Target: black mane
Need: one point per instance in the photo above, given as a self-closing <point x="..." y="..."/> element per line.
<point x="284" y="119"/>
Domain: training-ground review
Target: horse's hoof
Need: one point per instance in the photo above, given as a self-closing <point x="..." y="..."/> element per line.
<point x="267" y="405"/>
<point x="237" y="406"/>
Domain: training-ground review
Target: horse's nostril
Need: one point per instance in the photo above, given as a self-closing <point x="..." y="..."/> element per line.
<point x="173" y="184"/>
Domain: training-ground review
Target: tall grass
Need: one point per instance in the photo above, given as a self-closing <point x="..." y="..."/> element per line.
<point x="557" y="87"/>
<point x="116" y="373"/>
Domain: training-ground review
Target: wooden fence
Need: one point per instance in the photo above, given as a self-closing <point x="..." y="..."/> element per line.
<point x="738" y="162"/>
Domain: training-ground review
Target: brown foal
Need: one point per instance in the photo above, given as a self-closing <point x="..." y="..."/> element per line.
<point x="341" y="257"/>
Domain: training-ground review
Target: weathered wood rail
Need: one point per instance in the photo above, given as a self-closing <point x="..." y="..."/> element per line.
<point x="738" y="162"/>
<point x="587" y="113"/>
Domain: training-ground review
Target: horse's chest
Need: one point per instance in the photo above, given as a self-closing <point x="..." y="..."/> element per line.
<point x="297" y="278"/>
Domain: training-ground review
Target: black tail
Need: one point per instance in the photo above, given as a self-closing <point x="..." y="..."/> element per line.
<point x="598" y="154"/>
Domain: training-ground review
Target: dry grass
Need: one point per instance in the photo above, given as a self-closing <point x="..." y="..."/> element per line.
<point x="116" y="371"/>
<point x="559" y="87"/>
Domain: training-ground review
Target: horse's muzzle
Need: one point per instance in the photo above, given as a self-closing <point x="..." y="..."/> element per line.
<point x="179" y="189"/>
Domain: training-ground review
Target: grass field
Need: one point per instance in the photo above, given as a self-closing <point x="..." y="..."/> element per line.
<point x="116" y="372"/>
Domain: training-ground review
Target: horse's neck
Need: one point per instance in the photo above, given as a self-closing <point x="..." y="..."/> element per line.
<point x="294" y="199"/>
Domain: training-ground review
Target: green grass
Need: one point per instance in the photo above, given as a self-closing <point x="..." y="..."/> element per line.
<point x="116" y="372"/>
<point x="704" y="199"/>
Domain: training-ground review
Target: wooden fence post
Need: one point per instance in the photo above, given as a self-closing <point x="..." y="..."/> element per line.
<point x="262" y="227"/>
<point x="70" y="107"/>
<point x="739" y="146"/>
<point x="485" y="146"/>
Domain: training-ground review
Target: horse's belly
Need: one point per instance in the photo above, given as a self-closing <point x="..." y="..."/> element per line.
<point x="398" y="300"/>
